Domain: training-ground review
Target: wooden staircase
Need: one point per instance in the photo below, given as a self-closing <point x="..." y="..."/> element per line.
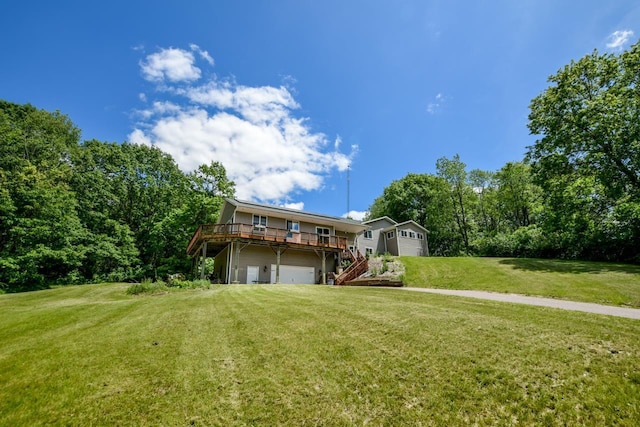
<point x="359" y="266"/>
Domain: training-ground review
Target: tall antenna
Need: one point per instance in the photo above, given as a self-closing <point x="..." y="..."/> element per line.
<point x="348" y="186"/>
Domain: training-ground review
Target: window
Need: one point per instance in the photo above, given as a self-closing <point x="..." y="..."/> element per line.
<point x="420" y="236"/>
<point x="368" y="251"/>
<point x="403" y="233"/>
<point x="323" y="231"/>
<point x="259" y="222"/>
<point x="368" y="234"/>
<point x="293" y="226"/>
<point x="412" y="235"/>
<point x="390" y="235"/>
<point x="323" y="234"/>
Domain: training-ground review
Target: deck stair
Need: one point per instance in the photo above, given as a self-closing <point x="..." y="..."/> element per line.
<point x="359" y="266"/>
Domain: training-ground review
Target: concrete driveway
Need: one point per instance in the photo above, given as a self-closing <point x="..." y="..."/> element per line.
<point x="631" y="313"/>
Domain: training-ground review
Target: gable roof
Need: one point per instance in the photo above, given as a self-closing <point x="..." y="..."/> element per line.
<point x="410" y="222"/>
<point x="380" y="219"/>
<point x="342" y="224"/>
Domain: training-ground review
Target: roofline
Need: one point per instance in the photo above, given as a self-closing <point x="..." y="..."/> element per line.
<point x="292" y="212"/>
<point x="407" y="222"/>
<point x="378" y="219"/>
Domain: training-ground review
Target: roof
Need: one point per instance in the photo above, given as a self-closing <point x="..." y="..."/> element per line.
<point x="411" y="222"/>
<point x="342" y="224"/>
<point x="380" y="219"/>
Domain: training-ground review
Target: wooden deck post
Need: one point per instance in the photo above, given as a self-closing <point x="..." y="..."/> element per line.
<point x="204" y="258"/>
<point x="324" y="268"/>
<point x="278" y="265"/>
<point x="236" y="261"/>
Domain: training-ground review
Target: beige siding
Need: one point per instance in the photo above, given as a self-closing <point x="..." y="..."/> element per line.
<point x="220" y="266"/>
<point x="411" y="246"/>
<point x="263" y="257"/>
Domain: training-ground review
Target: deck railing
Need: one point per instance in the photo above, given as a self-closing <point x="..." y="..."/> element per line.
<point x="222" y="232"/>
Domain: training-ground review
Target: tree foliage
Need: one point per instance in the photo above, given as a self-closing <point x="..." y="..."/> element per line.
<point x="79" y="212"/>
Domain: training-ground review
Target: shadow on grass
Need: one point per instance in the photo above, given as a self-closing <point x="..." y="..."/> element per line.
<point x="565" y="266"/>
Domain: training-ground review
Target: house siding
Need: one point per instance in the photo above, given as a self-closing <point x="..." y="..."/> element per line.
<point x="264" y="256"/>
<point x="411" y="246"/>
<point x="377" y="241"/>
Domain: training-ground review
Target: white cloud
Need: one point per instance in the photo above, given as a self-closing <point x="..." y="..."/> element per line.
<point x="268" y="151"/>
<point x="171" y="64"/>
<point x="436" y="104"/>
<point x="618" y="39"/>
<point x="357" y="215"/>
<point x="203" y="53"/>
<point x="297" y="206"/>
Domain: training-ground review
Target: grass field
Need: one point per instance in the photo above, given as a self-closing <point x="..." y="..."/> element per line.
<point x="603" y="283"/>
<point x="309" y="355"/>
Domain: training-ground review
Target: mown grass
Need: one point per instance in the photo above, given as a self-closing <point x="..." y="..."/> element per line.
<point x="309" y="355"/>
<point x="603" y="283"/>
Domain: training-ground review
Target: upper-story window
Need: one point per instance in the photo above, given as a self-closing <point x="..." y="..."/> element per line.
<point x="259" y="221"/>
<point x="323" y="234"/>
<point x="403" y="233"/>
<point x="390" y="235"/>
<point x="420" y="236"/>
<point x="368" y="234"/>
<point x="412" y="235"/>
<point x="293" y="226"/>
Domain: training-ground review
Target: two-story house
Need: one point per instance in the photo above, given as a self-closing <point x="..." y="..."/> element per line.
<point x="258" y="243"/>
<point x="384" y="235"/>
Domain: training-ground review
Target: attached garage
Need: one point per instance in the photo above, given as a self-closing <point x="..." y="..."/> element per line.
<point x="294" y="274"/>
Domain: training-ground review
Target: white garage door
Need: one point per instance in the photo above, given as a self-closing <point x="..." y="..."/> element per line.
<point x="294" y="274"/>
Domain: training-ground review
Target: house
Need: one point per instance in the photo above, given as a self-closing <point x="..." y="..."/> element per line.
<point x="258" y="243"/>
<point x="384" y="235"/>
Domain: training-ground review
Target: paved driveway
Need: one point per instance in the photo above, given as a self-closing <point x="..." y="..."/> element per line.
<point x="632" y="313"/>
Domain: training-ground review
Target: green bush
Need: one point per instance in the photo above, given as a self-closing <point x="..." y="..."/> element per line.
<point x="147" y="287"/>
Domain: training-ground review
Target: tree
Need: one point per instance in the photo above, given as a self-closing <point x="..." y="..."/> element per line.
<point x="587" y="159"/>
<point x="589" y="122"/>
<point x="453" y="171"/>
<point x="41" y="236"/>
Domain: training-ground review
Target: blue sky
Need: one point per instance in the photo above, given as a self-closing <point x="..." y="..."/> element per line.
<point x="286" y="94"/>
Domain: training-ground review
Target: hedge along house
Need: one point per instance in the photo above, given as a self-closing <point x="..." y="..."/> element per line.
<point x="257" y="243"/>
<point x="384" y="235"/>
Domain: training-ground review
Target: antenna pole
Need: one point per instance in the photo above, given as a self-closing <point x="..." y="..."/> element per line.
<point x="348" y="186"/>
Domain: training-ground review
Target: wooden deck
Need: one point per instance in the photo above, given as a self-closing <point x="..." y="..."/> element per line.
<point x="250" y="233"/>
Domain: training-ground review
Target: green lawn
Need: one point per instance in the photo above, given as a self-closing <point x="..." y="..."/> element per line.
<point x="603" y="283"/>
<point x="309" y="355"/>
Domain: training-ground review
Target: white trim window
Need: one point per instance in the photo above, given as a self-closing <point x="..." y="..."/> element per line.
<point x="293" y="226"/>
<point x="368" y="251"/>
<point x="368" y="234"/>
<point x="412" y="235"/>
<point x="259" y="222"/>
<point x="323" y="234"/>
<point x="420" y="236"/>
<point x="391" y="235"/>
<point x="403" y="233"/>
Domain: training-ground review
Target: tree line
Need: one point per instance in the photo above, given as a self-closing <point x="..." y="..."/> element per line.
<point x="575" y="195"/>
<point x="78" y="212"/>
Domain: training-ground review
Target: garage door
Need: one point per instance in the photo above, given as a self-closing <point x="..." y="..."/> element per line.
<point x="294" y="274"/>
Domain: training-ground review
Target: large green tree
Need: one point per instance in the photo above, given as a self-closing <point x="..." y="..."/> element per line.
<point x="587" y="156"/>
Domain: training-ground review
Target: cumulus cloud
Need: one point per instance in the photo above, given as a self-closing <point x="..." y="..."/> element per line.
<point x="268" y="151"/>
<point x="357" y="215"/>
<point x="618" y="39"/>
<point x="170" y="64"/>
